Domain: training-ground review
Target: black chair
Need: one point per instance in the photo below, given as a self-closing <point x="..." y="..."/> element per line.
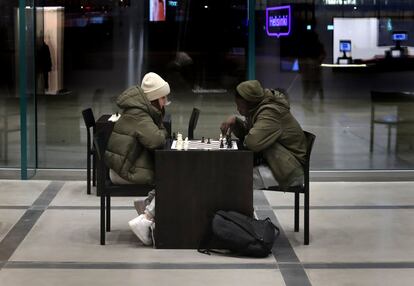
<point x="303" y="188"/>
<point x="90" y="123"/>
<point x="106" y="189"/>
<point x="390" y="120"/>
<point x="192" y="124"/>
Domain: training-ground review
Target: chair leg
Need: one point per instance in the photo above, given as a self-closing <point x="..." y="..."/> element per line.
<point x="102" y="220"/>
<point x="371" y="137"/>
<point x="306" y="216"/>
<point x="108" y="213"/>
<point x="88" y="173"/>
<point x="6" y="140"/>
<point x="296" y="228"/>
<point x="93" y="169"/>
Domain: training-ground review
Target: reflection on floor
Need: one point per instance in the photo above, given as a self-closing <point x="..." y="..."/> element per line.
<point x="361" y="234"/>
<point x="342" y="127"/>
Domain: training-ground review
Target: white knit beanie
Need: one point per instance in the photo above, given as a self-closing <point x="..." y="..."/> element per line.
<point x="154" y="86"/>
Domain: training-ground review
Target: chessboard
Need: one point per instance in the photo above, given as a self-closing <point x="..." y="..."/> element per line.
<point x="198" y="145"/>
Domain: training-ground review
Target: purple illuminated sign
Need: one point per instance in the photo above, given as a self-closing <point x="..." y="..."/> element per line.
<point x="278" y="21"/>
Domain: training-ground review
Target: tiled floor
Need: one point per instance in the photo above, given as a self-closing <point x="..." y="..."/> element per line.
<point x="361" y="234"/>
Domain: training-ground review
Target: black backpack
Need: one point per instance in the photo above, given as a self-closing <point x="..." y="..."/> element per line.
<point x="240" y="234"/>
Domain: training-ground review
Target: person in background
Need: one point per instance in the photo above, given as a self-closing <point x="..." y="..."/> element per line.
<point x="271" y="131"/>
<point x="136" y="134"/>
<point x="45" y="64"/>
<point x="310" y="60"/>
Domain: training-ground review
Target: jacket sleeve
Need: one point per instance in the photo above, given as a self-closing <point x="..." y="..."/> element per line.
<point x="146" y="131"/>
<point x="239" y="128"/>
<point x="265" y="131"/>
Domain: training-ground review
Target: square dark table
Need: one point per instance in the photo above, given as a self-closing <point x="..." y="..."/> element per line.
<point x="192" y="185"/>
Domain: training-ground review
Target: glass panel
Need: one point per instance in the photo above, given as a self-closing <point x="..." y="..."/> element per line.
<point x="200" y="48"/>
<point x="335" y="54"/>
<point x="27" y="86"/>
<point x="99" y="50"/>
<point x="9" y="99"/>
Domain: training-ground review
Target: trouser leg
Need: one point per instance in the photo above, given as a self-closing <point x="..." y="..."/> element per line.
<point x="150" y="209"/>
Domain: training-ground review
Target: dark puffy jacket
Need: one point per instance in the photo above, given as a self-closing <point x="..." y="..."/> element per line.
<point x="271" y="129"/>
<point x="136" y="134"/>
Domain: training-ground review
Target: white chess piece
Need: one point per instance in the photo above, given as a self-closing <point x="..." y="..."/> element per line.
<point x="186" y="143"/>
<point x="179" y="145"/>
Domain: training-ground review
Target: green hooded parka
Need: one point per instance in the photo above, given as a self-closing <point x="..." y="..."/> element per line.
<point x="136" y="134"/>
<point x="271" y="129"/>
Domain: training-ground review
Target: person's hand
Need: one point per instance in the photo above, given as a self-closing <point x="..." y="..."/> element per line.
<point x="227" y="124"/>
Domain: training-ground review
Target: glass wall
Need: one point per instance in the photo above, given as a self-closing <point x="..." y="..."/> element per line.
<point x="328" y="55"/>
<point x="330" y="59"/>
<point x="19" y="50"/>
<point x="100" y="48"/>
<point x="9" y="100"/>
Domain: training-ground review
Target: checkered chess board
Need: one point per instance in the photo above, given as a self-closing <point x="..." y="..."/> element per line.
<point x="198" y="145"/>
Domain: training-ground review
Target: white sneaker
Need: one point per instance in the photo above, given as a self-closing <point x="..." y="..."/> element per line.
<point x="141" y="227"/>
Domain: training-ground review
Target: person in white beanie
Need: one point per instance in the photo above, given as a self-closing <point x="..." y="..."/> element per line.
<point x="136" y="134"/>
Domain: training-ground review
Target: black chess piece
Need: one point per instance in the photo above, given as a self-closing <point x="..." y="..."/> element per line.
<point x="202" y="139"/>
<point x="208" y="141"/>
<point x="228" y="140"/>
<point x="174" y="136"/>
<point x="117" y="114"/>
<point x="221" y="143"/>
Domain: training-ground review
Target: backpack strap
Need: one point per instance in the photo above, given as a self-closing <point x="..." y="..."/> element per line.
<point x="204" y="245"/>
<point x="274" y="226"/>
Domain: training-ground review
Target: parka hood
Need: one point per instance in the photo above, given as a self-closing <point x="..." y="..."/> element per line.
<point x="134" y="97"/>
<point x="275" y="96"/>
<point x="252" y="91"/>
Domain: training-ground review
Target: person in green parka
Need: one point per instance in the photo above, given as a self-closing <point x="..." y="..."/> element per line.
<point x="271" y="131"/>
<point x="136" y="134"/>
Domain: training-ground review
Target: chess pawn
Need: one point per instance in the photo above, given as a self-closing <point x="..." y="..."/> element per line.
<point x="186" y="143"/>
<point x="179" y="145"/>
<point x="229" y="142"/>
<point x="179" y="141"/>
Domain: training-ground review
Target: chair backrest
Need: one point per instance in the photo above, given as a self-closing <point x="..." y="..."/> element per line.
<point x="192" y="124"/>
<point x="88" y="118"/>
<point x="99" y="143"/>
<point x="310" y="139"/>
